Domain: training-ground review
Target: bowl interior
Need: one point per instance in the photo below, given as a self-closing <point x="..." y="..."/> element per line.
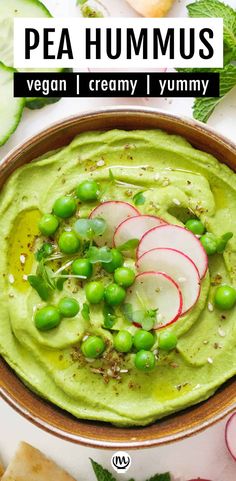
<point x="45" y="414"/>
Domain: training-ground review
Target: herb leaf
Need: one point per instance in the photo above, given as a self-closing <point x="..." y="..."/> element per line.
<point x="129" y="245"/>
<point x="139" y="198"/>
<point x="90" y="228"/>
<point x="85" y="312"/>
<point x="127" y="310"/>
<point x="101" y="473"/>
<point x="160" y="477"/>
<point x="109" y="317"/>
<point x="41" y="287"/>
<point x="45" y="250"/>
<point x="203" y="107"/>
<point x="214" y="8"/>
<point x="102" y="254"/>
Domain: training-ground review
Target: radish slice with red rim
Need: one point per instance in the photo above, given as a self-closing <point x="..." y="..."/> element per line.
<point x="175" y="237"/>
<point x="113" y="212"/>
<point x="135" y="228"/>
<point x="156" y="290"/>
<point x="176" y="265"/>
<point x="230" y="435"/>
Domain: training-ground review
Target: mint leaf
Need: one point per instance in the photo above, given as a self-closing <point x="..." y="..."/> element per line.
<point x="214" y="8"/>
<point x="129" y="245"/>
<point x="81" y="2"/>
<point x="160" y="477"/>
<point x="139" y="198"/>
<point x="101" y="473"/>
<point x="203" y="107"/>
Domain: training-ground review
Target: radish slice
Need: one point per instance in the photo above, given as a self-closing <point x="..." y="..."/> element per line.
<point x="175" y="237"/>
<point x="199" y="479"/>
<point x="176" y="265"/>
<point x="230" y="435"/>
<point x="135" y="228"/>
<point x="113" y="212"/>
<point x="158" y="291"/>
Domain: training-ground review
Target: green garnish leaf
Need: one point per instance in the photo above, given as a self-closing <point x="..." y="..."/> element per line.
<point x="160" y="477"/>
<point x="214" y="8"/>
<point x="45" y="251"/>
<point x="85" y="312"/>
<point x="129" y="245"/>
<point x="81" y="2"/>
<point x="127" y="310"/>
<point x="203" y="107"/>
<point x="111" y="176"/>
<point x="138" y="316"/>
<point x="83" y="228"/>
<point x="90" y="228"/>
<point x="139" y="198"/>
<point x="40" y="286"/>
<point x="109" y="317"/>
<point x="102" y="254"/>
<point x="148" y="323"/>
<point x="61" y="280"/>
<point x="98" y="226"/>
<point x="101" y="473"/>
<point x="223" y="241"/>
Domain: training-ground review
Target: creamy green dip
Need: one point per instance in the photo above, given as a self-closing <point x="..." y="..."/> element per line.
<point x="165" y="168"/>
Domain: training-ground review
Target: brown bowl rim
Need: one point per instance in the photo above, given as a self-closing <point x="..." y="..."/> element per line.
<point x="17" y="405"/>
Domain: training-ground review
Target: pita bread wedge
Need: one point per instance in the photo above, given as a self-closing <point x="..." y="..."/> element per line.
<point x="151" y="8"/>
<point x="1" y="470"/>
<point x="29" y="464"/>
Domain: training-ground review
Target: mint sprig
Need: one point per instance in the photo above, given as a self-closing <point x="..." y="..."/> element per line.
<point x="204" y="107"/>
<point x="103" y="474"/>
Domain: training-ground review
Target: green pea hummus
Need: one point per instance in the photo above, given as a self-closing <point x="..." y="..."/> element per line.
<point x="177" y="181"/>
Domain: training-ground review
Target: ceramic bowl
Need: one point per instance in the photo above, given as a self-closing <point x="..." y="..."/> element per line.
<point x="48" y="416"/>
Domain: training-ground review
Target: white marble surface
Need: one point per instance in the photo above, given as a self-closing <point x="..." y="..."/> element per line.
<point x="202" y="455"/>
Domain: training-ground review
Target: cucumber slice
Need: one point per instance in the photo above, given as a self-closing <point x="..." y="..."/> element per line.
<point x="10" y="108"/>
<point x="21" y="8"/>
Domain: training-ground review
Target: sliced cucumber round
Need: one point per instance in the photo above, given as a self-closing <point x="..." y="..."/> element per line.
<point x="10" y="108"/>
<point x="21" y="8"/>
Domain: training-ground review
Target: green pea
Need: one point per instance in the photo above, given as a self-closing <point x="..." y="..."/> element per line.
<point x="68" y="242"/>
<point x="195" y="226"/>
<point x="47" y="318"/>
<point x="145" y="360"/>
<point x="93" y="347"/>
<point x="65" y="207"/>
<point x="88" y="191"/>
<point x="225" y="297"/>
<point x="82" y="267"/>
<point x="209" y="242"/>
<point x="117" y="261"/>
<point x="94" y="292"/>
<point x="123" y="341"/>
<point x="124" y="276"/>
<point x="114" y="295"/>
<point x="167" y="340"/>
<point x="48" y="224"/>
<point x="68" y="307"/>
<point x="143" y="340"/>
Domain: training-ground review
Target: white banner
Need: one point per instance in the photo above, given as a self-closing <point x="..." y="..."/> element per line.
<point x="108" y="43"/>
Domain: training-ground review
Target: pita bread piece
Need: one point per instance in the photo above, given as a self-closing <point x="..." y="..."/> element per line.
<point x="1" y="470"/>
<point x="151" y="8"/>
<point x="29" y="464"/>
